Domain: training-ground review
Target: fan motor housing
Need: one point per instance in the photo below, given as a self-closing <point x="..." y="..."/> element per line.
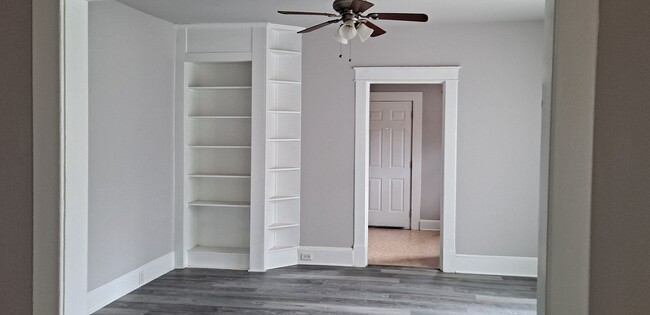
<point x="342" y="6"/>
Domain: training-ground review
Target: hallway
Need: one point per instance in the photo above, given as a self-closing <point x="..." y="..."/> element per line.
<point x="407" y="248"/>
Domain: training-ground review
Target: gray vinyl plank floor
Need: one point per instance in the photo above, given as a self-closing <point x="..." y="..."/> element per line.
<point x="328" y="290"/>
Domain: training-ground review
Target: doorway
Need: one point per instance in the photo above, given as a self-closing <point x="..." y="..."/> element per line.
<point x="404" y="161"/>
<point x="74" y="29"/>
<point x="447" y="77"/>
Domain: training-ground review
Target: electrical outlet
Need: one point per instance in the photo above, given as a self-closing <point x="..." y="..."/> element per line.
<point x="141" y="277"/>
<point x="305" y="256"/>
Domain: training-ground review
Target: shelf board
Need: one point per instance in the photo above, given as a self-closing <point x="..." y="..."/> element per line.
<point x="203" y="88"/>
<point x="219" y="146"/>
<point x="218" y="57"/>
<point x="284" y="112"/>
<point x="281" y="248"/>
<point x="283" y="140"/>
<point x="285" y="52"/>
<point x="219" y="257"/>
<point x="219" y="204"/>
<point x="282" y="198"/>
<point x="220" y="250"/>
<point x="278" y="226"/>
<point x="285" y="82"/>
<point x="284" y="169"/>
<point x="219" y="175"/>
<point x="218" y="117"/>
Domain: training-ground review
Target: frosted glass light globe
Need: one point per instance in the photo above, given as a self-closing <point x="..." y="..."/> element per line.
<point x="339" y="38"/>
<point x="364" y="32"/>
<point x="347" y="31"/>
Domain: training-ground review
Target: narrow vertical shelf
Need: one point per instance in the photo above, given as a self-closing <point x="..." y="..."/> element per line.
<point x="283" y="153"/>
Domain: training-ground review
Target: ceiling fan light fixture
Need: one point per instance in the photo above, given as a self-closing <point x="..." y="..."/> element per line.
<point x="364" y="32"/>
<point x="347" y="31"/>
<point x="354" y="22"/>
<point x="339" y="38"/>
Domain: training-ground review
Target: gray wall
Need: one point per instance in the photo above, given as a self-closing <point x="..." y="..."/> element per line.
<point x="46" y="120"/>
<point x="574" y="60"/>
<point x="620" y="217"/>
<point x="499" y="126"/>
<point x="598" y="205"/>
<point x="131" y="140"/>
<point x="431" y="143"/>
<point x="16" y="157"/>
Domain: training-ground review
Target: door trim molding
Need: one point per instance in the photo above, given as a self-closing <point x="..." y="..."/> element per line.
<point x="74" y="157"/>
<point x="448" y="77"/>
<point x="416" y="147"/>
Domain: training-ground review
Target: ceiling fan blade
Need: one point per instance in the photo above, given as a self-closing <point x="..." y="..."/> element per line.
<point x="411" y="17"/>
<point x="377" y="31"/>
<point x="315" y="27"/>
<point x="307" y="13"/>
<point x="360" y="6"/>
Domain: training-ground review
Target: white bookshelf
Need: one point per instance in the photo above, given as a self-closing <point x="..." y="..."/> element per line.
<point x="283" y="134"/>
<point x="218" y="137"/>
<point x="241" y="120"/>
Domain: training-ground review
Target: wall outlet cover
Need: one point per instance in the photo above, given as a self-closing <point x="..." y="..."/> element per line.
<point x="305" y="256"/>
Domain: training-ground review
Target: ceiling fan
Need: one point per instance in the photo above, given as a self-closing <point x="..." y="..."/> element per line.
<point x="350" y="13"/>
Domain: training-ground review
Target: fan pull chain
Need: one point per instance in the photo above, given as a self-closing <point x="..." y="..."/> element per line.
<point x="340" y="50"/>
<point x="350" y="60"/>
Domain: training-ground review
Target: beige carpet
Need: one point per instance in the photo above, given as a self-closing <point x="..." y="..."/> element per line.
<point x="397" y="247"/>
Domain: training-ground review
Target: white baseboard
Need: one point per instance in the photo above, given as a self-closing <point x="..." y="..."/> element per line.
<point x="326" y="256"/>
<point x="119" y="287"/>
<point x="430" y="225"/>
<point x="496" y="265"/>
<point x="359" y="256"/>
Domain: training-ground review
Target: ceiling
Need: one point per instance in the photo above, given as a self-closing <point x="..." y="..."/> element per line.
<point x="238" y="11"/>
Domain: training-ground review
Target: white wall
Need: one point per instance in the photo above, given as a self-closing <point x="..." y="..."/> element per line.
<point x="498" y="138"/>
<point x="131" y="163"/>
<point x="431" y="143"/>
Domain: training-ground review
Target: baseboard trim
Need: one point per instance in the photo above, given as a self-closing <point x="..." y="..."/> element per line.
<point x="430" y="225"/>
<point x="327" y="256"/>
<point x="496" y="265"/>
<point x="121" y="286"/>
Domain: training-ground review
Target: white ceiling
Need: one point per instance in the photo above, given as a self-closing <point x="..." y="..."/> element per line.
<point x="236" y="11"/>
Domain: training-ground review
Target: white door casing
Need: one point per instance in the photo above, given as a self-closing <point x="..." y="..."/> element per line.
<point x="448" y="77"/>
<point x="389" y="181"/>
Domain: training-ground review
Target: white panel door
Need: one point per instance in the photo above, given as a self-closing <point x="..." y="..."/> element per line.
<point x="390" y="164"/>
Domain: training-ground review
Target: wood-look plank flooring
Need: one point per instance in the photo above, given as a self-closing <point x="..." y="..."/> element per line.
<point x="328" y="290"/>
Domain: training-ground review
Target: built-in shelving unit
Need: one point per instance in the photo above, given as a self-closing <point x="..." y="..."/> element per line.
<point x="218" y="106"/>
<point x="283" y="152"/>
<point x="241" y="131"/>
